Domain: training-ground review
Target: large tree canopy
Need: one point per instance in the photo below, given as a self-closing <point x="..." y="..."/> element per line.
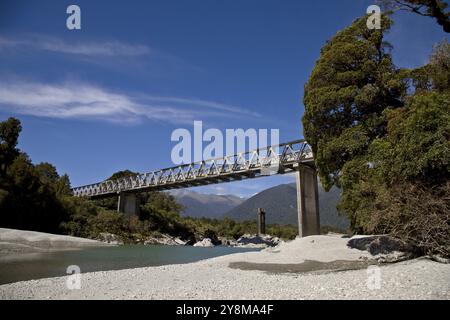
<point x="353" y="82"/>
<point x="9" y="135"/>
<point x="417" y="145"/>
<point x="383" y="135"/>
<point x="30" y="195"/>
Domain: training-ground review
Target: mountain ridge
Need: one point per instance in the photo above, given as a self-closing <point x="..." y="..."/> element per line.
<point x="200" y="205"/>
<point x="279" y="202"/>
<point x="282" y="200"/>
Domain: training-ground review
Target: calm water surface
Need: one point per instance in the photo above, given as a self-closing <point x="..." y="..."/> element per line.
<point x="44" y="265"/>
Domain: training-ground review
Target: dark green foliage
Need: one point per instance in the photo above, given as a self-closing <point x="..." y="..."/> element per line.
<point x="29" y="195"/>
<point x="122" y="174"/>
<point x="163" y="215"/>
<point x="9" y="135"/>
<point x="111" y="203"/>
<point x="353" y="82"/>
<point x="384" y="137"/>
<point x="160" y="215"/>
<point x="417" y="147"/>
<point x="232" y="229"/>
<point x="81" y="212"/>
<point x="413" y="166"/>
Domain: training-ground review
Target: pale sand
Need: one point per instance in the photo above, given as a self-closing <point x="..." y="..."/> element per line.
<point x="214" y="279"/>
<point x="19" y="241"/>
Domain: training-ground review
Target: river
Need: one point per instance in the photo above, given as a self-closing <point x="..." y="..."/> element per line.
<point x="30" y="266"/>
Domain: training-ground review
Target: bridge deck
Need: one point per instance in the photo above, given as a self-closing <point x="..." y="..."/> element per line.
<point x="278" y="159"/>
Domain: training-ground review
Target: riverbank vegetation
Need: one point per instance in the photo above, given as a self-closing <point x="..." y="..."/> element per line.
<point x="382" y="134"/>
<point x="35" y="197"/>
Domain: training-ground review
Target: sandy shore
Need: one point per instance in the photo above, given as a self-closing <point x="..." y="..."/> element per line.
<point x="19" y="241"/>
<point x="215" y="279"/>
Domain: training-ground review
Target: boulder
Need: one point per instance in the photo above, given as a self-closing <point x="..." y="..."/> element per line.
<point x="206" y="242"/>
<point x="228" y="242"/>
<point x="383" y="248"/>
<point x="262" y="241"/>
<point x="109" y="238"/>
<point x="164" y="239"/>
<point x="210" y="234"/>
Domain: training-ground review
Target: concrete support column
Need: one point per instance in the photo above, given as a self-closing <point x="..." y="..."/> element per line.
<point x="307" y="201"/>
<point x="128" y="203"/>
<point x="261" y="222"/>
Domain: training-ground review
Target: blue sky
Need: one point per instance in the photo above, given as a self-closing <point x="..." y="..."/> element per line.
<point x="107" y="97"/>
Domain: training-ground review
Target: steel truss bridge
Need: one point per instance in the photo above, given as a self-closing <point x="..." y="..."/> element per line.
<point x="295" y="156"/>
<point x="277" y="159"/>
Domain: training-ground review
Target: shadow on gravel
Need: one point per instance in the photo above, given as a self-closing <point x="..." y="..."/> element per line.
<point x="308" y="266"/>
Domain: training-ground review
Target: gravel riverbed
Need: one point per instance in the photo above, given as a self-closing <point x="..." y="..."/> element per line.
<point x="214" y="279"/>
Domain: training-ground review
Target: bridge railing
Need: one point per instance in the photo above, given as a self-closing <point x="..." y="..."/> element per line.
<point x="274" y="157"/>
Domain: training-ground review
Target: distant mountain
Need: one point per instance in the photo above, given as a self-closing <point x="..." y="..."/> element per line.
<point x="205" y="205"/>
<point x="280" y="204"/>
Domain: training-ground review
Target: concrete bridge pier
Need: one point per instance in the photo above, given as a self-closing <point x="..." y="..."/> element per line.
<point x="307" y="201"/>
<point x="128" y="203"/>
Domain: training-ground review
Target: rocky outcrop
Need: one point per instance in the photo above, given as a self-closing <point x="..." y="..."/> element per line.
<point x="208" y="234"/>
<point x="206" y="242"/>
<point x="383" y="248"/>
<point x="164" y="239"/>
<point x="228" y="242"/>
<point x="256" y="241"/>
<point x="109" y="238"/>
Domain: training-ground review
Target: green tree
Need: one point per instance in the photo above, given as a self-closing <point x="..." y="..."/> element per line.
<point x="122" y="174"/>
<point x="47" y="172"/>
<point x="31" y="202"/>
<point x="351" y="85"/>
<point x="9" y="135"/>
<point x="416" y="148"/>
<point x="412" y="174"/>
<point x="383" y="135"/>
<point x="31" y="196"/>
<point x="111" y="202"/>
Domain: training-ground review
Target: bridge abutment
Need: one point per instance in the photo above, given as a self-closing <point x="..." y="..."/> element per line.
<point x="307" y="201"/>
<point x="128" y="203"/>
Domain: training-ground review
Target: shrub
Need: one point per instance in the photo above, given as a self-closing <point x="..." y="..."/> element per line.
<point x="416" y="214"/>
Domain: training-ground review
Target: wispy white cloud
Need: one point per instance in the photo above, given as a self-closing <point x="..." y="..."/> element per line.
<point x="204" y="104"/>
<point x="86" y="48"/>
<point x="74" y="100"/>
